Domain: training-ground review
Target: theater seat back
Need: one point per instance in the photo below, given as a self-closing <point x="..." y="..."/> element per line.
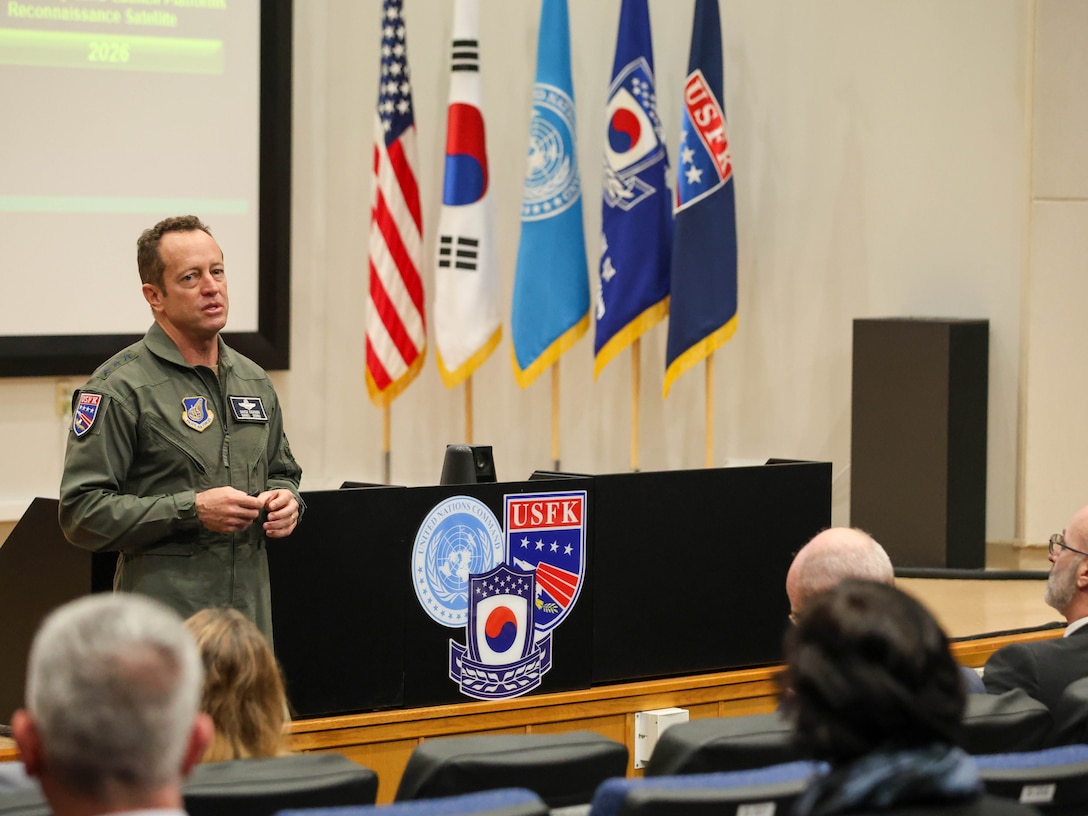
<point x="723" y="744"/>
<point x="562" y="769"/>
<point x="261" y="787"/>
<point x="1000" y="723"/>
<point x="1070" y="725"/>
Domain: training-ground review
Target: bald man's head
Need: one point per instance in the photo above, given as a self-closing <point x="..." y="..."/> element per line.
<point x="835" y="554"/>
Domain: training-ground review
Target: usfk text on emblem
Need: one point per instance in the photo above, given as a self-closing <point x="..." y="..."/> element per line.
<point x="458" y="538"/>
<point x="504" y="655"/>
<point x="85" y="413"/>
<point x="546" y="533"/>
<point x="197" y="415"/>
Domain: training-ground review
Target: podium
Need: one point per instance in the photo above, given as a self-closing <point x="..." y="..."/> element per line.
<point x="684" y="574"/>
<point x="39" y="571"/>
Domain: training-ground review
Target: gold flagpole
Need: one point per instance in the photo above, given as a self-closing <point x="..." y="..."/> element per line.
<point x="710" y="410"/>
<point x="555" y="416"/>
<point x="468" y="410"/>
<point x="386" y="422"/>
<point x="636" y="381"/>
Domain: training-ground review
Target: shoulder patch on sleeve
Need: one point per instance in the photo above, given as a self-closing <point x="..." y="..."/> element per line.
<point x="88" y="405"/>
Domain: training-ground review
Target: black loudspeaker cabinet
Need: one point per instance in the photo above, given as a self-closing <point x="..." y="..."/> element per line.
<point x="918" y="439"/>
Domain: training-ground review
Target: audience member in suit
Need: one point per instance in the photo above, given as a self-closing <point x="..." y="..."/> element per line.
<point x="243" y="687"/>
<point x="845" y="552"/>
<point x="112" y="722"/>
<point x="1043" y="669"/>
<point x="873" y="690"/>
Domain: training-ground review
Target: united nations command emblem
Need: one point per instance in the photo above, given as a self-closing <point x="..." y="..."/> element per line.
<point x="551" y="179"/>
<point x="197" y="415"/>
<point x="458" y="538"/>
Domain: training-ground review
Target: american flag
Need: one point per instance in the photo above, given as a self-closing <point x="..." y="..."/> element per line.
<point x="396" y="331"/>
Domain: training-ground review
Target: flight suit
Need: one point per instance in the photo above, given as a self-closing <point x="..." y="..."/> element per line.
<point x="149" y="432"/>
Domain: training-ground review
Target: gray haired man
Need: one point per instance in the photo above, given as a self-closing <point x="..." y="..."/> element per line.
<point x="112" y="722"/>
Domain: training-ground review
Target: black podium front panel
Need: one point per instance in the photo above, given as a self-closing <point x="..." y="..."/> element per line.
<point x="337" y="617"/>
<point x="691" y="566"/>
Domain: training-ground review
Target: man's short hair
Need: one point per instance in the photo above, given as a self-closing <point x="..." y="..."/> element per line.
<point x="148" y="260"/>
<point x="113" y="684"/>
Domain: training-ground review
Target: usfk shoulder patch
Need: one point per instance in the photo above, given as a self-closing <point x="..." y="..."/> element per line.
<point x="197" y="415"/>
<point x="86" y="412"/>
<point x="248" y="409"/>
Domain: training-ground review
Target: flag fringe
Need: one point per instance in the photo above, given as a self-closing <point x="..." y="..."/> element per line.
<point x="454" y="378"/>
<point x="699" y="352"/>
<point x="544" y="361"/>
<point x="384" y="397"/>
<point x="629" y="334"/>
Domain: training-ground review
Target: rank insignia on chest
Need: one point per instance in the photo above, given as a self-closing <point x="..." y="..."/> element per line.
<point x="197" y="415"/>
<point x="85" y="413"/>
<point x="248" y="409"/>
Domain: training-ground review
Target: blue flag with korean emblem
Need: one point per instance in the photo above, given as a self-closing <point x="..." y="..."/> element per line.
<point x="703" y="286"/>
<point x="636" y="216"/>
<point x="550" y="311"/>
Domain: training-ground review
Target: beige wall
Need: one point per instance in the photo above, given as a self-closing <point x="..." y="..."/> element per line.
<point x="883" y="153"/>
<point x="1056" y="286"/>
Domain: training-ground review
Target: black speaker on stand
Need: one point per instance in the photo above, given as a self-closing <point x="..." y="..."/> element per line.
<point x="918" y="439"/>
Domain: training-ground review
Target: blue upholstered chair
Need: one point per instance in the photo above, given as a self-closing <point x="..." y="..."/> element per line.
<point x="1054" y="780"/>
<point x="765" y="790"/>
<point x="501" y="802"/>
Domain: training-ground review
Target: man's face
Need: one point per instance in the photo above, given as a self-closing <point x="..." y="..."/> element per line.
<point x="1061" y="584"/>
<point x="193" y="300"/>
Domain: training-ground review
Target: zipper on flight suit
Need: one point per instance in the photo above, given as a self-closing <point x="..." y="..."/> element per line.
<point x="224" y="453"/>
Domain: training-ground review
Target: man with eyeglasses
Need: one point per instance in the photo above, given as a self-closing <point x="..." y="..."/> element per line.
<point x="1043" y="669"/>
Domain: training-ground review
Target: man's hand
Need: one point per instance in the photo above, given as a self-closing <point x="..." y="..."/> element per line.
<point x="282" y="507"/>
<point x="227" y="510"/>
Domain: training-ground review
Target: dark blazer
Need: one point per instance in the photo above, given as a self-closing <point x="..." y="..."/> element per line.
<point x="1043" y="669"/>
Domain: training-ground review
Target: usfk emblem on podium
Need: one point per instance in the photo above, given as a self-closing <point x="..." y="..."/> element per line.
<point x="513" y="608"/>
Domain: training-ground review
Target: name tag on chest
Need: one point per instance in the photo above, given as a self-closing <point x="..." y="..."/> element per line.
<point x="248" y="409"/>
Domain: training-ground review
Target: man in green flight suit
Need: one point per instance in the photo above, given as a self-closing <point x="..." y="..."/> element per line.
<point x="177" y="458"/>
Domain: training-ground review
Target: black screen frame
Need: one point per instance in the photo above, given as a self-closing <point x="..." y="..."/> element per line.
<point x="270" y="344"/>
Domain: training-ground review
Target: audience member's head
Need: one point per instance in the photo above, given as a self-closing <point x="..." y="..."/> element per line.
<point x="1067" y="584"/>
<point x="112" y="719"/>
<point x="868" y="669"/>
<point x="831" y="556"/>
<point x="243" y="687"/>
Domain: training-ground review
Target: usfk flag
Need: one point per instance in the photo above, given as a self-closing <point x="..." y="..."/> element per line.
<point x="636" y="213"/>
<point x="551" y="285"/>
<point x="467" y="322"/>
<point x="703" y="290"/>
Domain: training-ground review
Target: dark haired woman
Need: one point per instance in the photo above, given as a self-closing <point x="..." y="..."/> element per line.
<point x="873" y="690"/>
